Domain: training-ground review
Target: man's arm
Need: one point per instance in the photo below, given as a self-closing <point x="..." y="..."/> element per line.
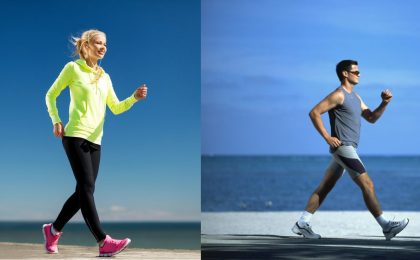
<point x="334" y="99"/>
<point x="372" y="117"/>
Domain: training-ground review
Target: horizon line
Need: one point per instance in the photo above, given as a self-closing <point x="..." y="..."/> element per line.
<point x="108" y="221"/>
<point x="281" y="154"/>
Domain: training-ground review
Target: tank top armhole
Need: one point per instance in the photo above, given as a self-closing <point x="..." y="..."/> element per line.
<point x="344" y="95"/>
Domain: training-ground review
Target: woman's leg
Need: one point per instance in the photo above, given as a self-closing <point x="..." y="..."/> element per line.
<point x="70" y="208"/>
<point x="84" y="161"/>
<point x="72" y="205"/>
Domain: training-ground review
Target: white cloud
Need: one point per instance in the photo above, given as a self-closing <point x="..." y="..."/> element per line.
<point x="116" y="208"/>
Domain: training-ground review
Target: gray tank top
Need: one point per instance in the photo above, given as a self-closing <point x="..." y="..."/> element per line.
<point x="345" y="119"/>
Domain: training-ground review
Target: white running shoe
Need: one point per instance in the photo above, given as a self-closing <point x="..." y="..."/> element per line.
<point x="305" y="231"/>
<point x="394" y="227"/>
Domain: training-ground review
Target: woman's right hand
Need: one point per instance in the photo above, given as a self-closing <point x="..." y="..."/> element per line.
<point x="140" y="92"/>
<point x="58" y="130"/>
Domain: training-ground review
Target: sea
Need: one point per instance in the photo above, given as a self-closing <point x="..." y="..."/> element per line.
<point x="157" y="235"/>
<point x="284" y="183"/>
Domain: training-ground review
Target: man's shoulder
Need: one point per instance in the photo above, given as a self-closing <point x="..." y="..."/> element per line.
<point x="337" y="95"/>
<point x="338" y="92"/>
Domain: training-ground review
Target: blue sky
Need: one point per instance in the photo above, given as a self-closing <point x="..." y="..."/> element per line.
<point x="150" y="165"/>
<point x="265" y="64"/>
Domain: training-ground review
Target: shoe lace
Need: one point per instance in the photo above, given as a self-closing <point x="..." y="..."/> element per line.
<point x="394" y="222"/>
<point x="114" y="241"/>
<point x="308" y="227"/>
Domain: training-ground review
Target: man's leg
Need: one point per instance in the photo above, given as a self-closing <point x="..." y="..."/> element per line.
<point x="369" y="195"/>
<point x="333" y="173"/>
<point x="349" y="159"/>
<point x="389" y="228"/>
<point x="302" y="226"/>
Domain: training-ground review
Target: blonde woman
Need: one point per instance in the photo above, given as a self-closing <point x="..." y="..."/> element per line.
<point x="90" y="91"/>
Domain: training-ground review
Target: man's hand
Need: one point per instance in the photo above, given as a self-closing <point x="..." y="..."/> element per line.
<point x="386" y="96"/>
<point x="333" y="142"/>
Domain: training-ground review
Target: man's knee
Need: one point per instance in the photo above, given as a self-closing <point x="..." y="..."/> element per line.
<point x="365" y="182"/>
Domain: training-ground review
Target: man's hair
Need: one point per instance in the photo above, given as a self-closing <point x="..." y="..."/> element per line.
<point x="344" y="65"/>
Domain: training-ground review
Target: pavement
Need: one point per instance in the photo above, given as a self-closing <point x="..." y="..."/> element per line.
<point x="36" y="251"/>
<point x="268" y="235"/>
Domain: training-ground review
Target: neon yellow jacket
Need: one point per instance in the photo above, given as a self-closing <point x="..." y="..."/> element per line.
<point x="89" y="97"/>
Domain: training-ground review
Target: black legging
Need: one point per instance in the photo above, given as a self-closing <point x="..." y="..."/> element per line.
<point x="84" y="158"/>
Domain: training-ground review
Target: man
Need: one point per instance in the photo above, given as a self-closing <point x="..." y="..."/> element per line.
<point x="345" y="109"/>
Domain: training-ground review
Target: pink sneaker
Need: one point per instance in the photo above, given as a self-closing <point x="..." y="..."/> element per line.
<point x="113" y="246"/>
<point x="51" y="241"/>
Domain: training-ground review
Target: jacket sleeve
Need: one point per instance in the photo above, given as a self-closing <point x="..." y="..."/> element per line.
<point x="62" y="81"/>
<point x="116" y="106"/>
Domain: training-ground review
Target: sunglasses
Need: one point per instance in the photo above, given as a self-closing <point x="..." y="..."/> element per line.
<point x="357" y="73"/>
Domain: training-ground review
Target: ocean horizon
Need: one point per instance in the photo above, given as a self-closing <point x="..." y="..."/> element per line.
<point x="146" y="234"/>
<point x="235" y="183"/>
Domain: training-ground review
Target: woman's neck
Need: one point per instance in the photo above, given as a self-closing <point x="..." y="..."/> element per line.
<point x="92" y="63"/>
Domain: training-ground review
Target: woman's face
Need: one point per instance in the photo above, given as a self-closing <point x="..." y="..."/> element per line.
<point x="97" y="47"/>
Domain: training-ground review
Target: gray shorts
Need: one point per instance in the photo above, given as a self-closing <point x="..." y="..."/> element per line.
<point x="345" y="158"/>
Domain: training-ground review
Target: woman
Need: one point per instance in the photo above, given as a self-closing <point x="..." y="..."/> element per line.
<point x="90" y="91"/>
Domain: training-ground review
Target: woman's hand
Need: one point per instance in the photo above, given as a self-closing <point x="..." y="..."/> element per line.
<point x="141" y="92"/>
<point x="58" y="130"/>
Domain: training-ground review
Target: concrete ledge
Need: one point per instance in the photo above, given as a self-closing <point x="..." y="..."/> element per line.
<point x="36" y="251"/>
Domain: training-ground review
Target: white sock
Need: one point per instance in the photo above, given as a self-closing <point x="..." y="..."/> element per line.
<point x="383" y="222"/>
<point x="53" y="231"/>
<point x="305" y="218"/>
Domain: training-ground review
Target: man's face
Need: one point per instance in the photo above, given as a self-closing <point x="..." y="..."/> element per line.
<point x="353" y="74"/>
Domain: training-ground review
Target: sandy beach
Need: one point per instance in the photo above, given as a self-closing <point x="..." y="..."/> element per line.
<point x="267" y="235"/>
<point x="36" y="251"/>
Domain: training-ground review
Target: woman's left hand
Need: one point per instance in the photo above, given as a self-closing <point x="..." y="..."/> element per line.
<point x="140" y="92"/>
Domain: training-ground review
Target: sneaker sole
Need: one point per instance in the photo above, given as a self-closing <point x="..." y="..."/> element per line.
<point x="45" y="240"/>
<point x="394" y="234"/>
<point x="119" y="251"/>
